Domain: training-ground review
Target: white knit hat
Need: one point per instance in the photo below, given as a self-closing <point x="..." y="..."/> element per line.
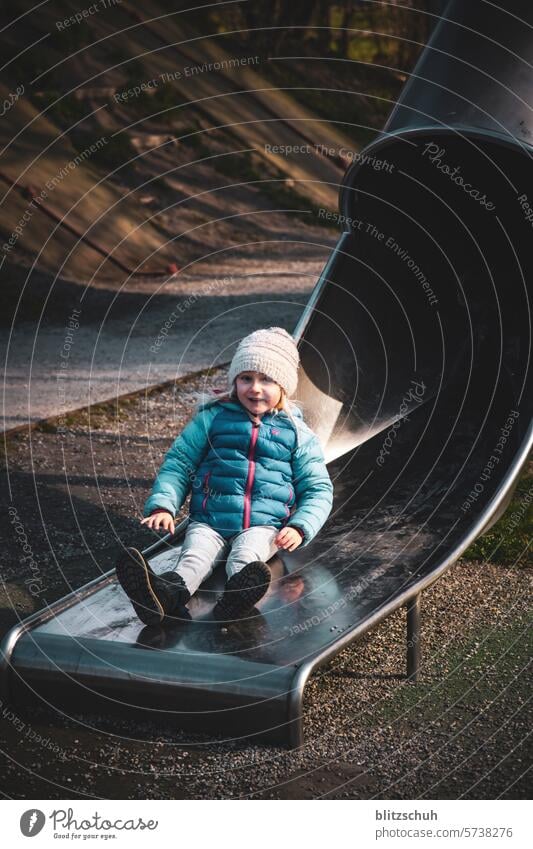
<point x="271" y="351"/>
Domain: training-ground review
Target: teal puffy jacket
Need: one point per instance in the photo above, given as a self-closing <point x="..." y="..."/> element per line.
<point x="243" y="474"/>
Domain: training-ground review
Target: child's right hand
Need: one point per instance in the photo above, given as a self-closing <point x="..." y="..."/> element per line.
<point x="161" y="520"/>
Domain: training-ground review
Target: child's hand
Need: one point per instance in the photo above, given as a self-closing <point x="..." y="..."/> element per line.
<point x="160" y="520"/>
<point x="288" y="539"/>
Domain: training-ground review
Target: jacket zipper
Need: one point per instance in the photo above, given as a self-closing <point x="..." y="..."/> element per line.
<point x="206" y="490"/>
<point x="250" y="478"/>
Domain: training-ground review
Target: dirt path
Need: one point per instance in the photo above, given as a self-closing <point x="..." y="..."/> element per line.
<point x="96" y="345"/>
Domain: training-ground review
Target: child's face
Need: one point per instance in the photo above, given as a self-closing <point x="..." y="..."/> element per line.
<point x="257" y="392"/>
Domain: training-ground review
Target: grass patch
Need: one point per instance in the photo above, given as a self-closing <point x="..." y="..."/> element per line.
<point x="106" y="413"/>
<point x="479" y="668"/>
<point x="96" y="417"/>
<point x="351" y="113"/>
<point x="238" y="166"/>
<point x="65" y="111"/>
<point x="117" y="151"/>
<point x="166" y="96"/>
<point x="284" y="198"/>
<point x="244" y="168"/>
<point x="150" y="102"/>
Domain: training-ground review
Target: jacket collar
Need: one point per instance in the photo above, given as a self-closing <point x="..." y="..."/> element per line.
<point x="233" y="405"/>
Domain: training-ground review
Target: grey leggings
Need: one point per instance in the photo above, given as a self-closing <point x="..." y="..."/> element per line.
<point x="204" y="548"/>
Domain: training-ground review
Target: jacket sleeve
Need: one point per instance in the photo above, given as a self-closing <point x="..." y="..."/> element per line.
<point x="312" y="487"/>
<point x="176" y="475"/>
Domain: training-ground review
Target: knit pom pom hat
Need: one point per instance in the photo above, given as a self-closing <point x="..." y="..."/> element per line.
<point x="271" y="351"/>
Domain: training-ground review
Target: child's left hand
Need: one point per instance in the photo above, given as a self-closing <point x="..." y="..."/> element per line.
<point x="288" y="539"/>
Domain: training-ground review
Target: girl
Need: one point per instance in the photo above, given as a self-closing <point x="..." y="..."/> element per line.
<point x="258" y="479"/>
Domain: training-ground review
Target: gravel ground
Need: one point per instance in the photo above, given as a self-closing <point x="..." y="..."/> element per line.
<point x="461" y="732"/>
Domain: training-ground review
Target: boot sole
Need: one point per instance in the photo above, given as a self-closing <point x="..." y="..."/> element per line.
<point x="134" y="573"/>
<point x="242" y="593"/>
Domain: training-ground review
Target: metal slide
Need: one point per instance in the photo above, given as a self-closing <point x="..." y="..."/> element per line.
<point x="415" y="350"/>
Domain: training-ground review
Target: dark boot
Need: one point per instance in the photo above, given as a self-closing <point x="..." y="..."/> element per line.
<point x="152" y="596"/>
<point x="243" y="591"/>
<point x="173" y="594"/>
